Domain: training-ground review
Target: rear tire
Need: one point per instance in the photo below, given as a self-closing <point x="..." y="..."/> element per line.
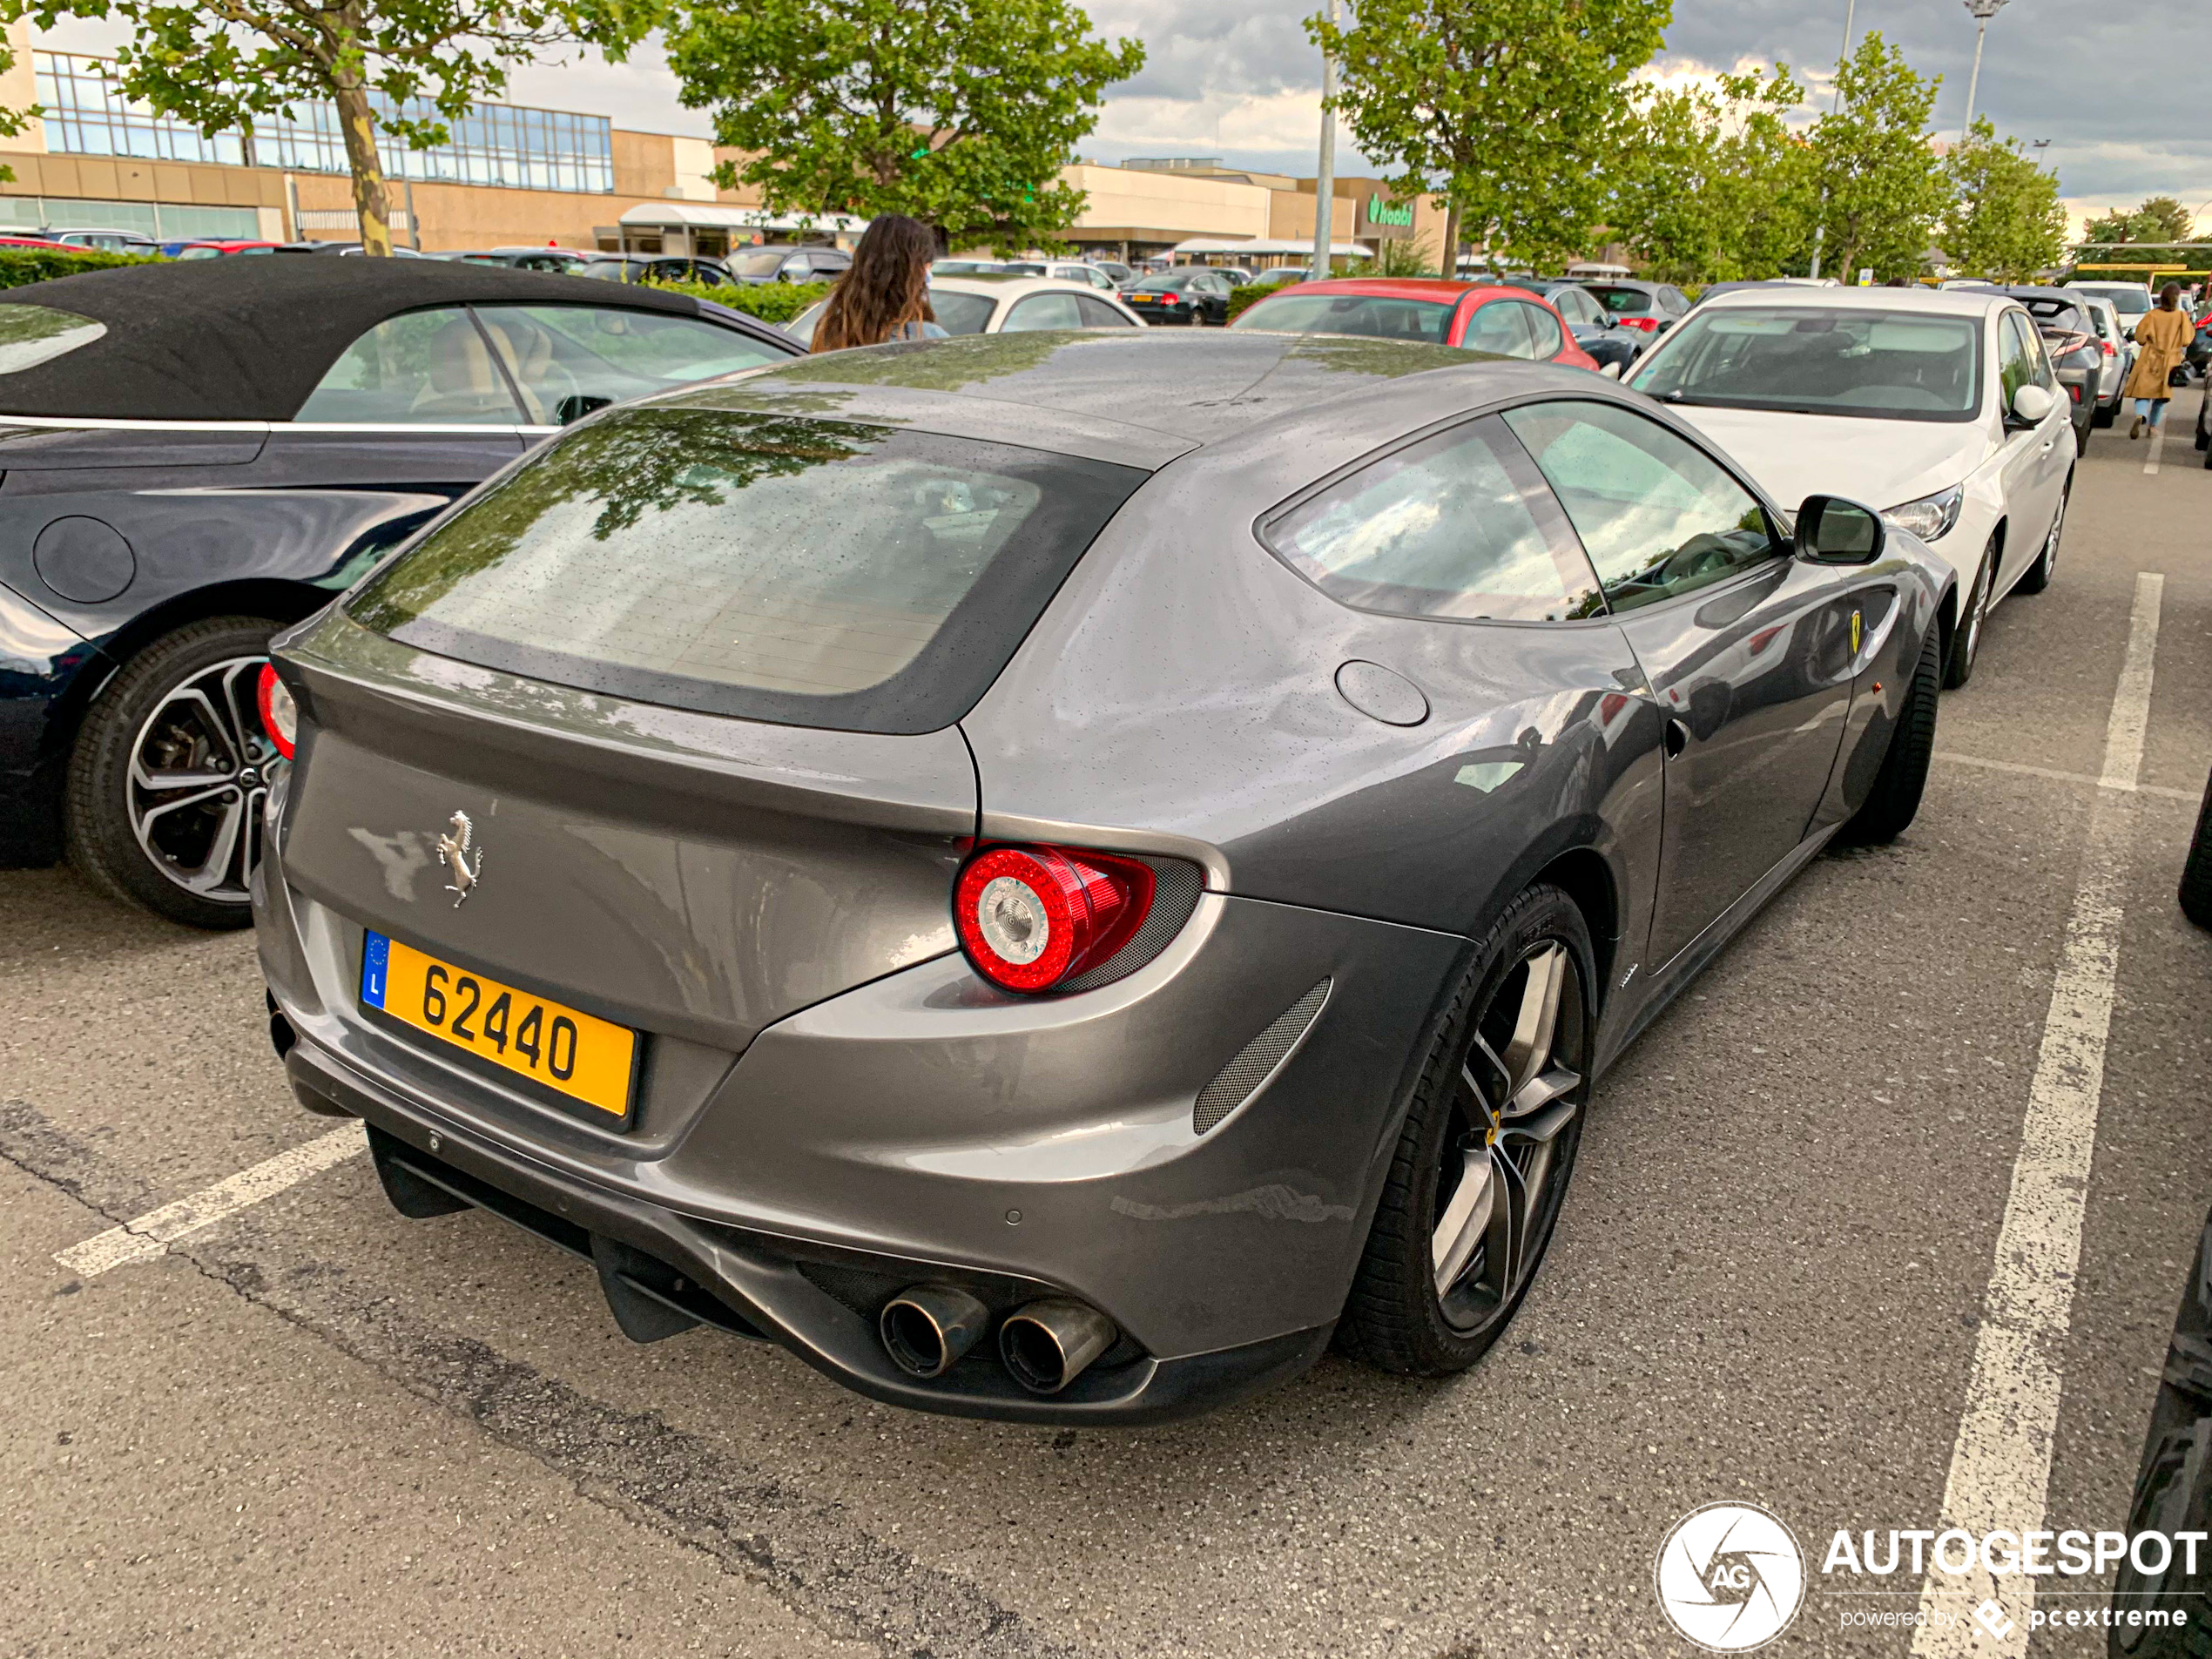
<point x="2038" y="575"/>
<point x="2196" y="868"/>
<point x="184" y="707"/>
<point x="1894" y="801"/>
<point x="1974" y="613"/>
<point x="2107" y="413"/>
<point x="1500" y="1104"/>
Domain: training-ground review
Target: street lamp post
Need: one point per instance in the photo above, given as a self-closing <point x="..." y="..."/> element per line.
<point x="1982" y="10"/>
<point x="1819" y="232"/>
<point x="1325" y="186"/>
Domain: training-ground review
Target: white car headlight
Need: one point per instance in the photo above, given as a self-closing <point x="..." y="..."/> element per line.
<point x="1930" y="516"/>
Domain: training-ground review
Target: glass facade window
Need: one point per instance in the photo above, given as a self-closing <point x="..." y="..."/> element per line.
<point x="501" y="144"/>
<point x="163" y="221"/>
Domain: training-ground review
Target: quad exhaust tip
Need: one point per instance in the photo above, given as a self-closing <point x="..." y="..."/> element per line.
<point x="926" y="1329"/>
<point x="1048" y="1344"/>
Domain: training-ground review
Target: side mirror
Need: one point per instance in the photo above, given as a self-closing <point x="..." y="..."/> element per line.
<point x="1831" y="531"/>
<point x="2030" y="403"/>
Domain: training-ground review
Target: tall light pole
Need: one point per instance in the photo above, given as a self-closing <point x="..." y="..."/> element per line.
<point x="1850" y="10"/>
<point x="1325" y="186"/>
<point x="1983" y="10"/>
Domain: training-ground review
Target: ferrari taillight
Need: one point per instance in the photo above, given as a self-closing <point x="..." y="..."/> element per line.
<point x="1032" y="918"/>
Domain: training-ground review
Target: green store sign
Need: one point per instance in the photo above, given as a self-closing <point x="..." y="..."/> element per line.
<point x="1382" y="212"/>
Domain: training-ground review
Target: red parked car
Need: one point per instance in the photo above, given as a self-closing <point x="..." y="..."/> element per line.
<point x="217" y="250"/>
<point x="41" y="243"/>
<point x="1480" y="316"/>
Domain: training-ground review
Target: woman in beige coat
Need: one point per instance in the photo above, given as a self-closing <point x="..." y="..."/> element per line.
<point x="2164" y="335"/>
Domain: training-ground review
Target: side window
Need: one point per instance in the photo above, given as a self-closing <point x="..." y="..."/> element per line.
<point x="567" y="360"/>
<point x="1572" y="304"/>
<point x="1097" y="313"/>
<point x="1042" y="311"/>
<point x="1458" y="525"/>
<point x="1543" y="331"/>
<point x="2040" y="353"/>
<point x="1658" y="515"/>
<point x="2015" y="361"/>
<point x="426" y="369"/>
<point x="1498" y="328"/>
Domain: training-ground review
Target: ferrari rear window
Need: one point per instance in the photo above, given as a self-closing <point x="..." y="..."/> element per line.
<point x="809" y="572"/>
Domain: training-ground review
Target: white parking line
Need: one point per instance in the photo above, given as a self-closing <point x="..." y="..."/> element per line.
<point x="2157" y="444"/>
<point x="2191" y="796"/>
<point x="150" y="1234"/>
<point x="2000" y="1464"/>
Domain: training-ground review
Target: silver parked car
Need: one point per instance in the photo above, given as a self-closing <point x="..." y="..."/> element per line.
<point x="1049" y="898"/>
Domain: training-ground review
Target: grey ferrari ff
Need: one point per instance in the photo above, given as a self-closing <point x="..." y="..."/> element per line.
<point x="1051" y="874"/>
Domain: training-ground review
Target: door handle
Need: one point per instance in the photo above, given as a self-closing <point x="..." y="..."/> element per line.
<point x="1678" y="737"/>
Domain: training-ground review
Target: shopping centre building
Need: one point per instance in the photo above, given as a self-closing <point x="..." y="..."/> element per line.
<point x="511" y="175"/>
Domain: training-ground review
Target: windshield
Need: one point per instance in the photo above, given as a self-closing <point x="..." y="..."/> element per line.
<point x="810" y="572"/>
<point x="2126" y="299"/>
<point x="758" y="264"/>
<point x="1349" y="313"/>
<point x="1878" y="365"/>
<point x="1622" y="302"/>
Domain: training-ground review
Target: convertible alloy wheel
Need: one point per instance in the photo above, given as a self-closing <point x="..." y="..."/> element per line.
<point x="198" y="776"/>
<point x="1517" y="1096"/>
<point x="170" y="773"/>
<point x="1486" y="1149"/>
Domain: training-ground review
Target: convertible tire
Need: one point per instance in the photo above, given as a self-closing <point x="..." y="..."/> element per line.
<point x="2038" y="575"/>
<point x="1974" y="613"/>
<point x="2196" y="868"/>
<point x="1486" y="1149"/>
<point x="166" y="784"/>
<point x="1894" y="801"/>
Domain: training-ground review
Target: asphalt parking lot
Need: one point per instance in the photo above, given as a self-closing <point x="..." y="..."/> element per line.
<point x="314" y="1427"/>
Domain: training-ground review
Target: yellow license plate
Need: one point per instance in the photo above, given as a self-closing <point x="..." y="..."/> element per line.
<point x="576" y="1053"/>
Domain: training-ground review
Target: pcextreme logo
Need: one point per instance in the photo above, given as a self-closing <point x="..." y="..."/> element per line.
<point x="1730" y="1577"/>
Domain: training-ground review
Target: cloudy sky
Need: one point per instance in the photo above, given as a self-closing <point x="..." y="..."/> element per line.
<point x="1240" y="81"/>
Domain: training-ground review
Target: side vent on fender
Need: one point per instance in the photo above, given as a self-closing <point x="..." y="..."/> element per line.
<point x="1264" y="1056"/>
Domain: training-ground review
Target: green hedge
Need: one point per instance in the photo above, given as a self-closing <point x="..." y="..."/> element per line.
<point x="21" y="265"/>
<point x="1244" y="299"/>
<point x="775" y="302"/>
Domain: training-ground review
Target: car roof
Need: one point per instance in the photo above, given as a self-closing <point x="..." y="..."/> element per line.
<point x="1106" y="394"/>
<point x="1437" y="290"/>
<point x="1005" y="284"/>
<point x="1960" y="302"/>
<point x="214" y="339"/>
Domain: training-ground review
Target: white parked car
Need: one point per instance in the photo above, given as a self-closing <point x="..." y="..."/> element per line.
<point x="1941" y="409"/>
<point x="988" y="304"/>
<point x="1062" y="271"/>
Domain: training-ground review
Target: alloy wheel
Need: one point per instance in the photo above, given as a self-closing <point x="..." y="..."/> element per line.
<point x="198" y="776"/>
<point x="1978" y="608"/>
<point x="1503" y="1171"/>
<point x="2058" y="525"/>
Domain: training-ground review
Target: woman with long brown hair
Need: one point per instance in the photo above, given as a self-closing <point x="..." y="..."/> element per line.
<point x="2164" y="335"/>
<point x="884" y="295"/>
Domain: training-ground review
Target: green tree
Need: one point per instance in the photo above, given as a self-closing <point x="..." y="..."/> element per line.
<point x="221" y="64"/>
<point x="1514" y="110"/>
<point x="2003" y="221"/>
<point x="1712" y="185"/>
<point x="2160" y="220"/>
<point x="959" y="112"/>
<point x="1880" y="185"/>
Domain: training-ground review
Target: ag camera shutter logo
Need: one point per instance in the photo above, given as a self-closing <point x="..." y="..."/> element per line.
<point x="1730" y="1577"/>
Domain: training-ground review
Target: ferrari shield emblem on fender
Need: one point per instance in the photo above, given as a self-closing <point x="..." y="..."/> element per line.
<point x="1854" y="633"/>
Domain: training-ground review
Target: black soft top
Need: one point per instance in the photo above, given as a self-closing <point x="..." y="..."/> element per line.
<point x="247" y="339"/>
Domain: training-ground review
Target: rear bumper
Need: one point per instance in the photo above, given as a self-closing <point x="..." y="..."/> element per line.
<point x="920" y="1128"/>
<point x="683" y="1271"/>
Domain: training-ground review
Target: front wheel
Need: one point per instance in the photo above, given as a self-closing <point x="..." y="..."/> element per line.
<point x="1966" y="639"/>
<point x="1487" y="1147"/>
<point x="169" y="772"/>
<point x="1894" y="801"/>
